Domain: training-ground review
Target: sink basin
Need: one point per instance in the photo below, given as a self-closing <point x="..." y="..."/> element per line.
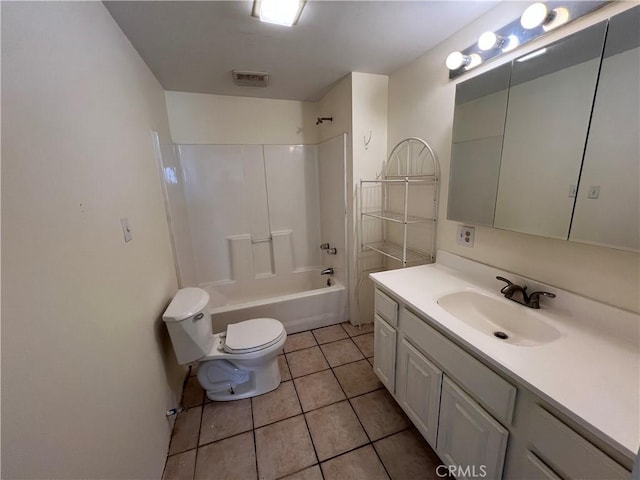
<point x="504" y="320"/>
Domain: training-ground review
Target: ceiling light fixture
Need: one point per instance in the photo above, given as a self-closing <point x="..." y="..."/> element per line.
<point x="279" y="12"/>
<point x="536" y="20"/>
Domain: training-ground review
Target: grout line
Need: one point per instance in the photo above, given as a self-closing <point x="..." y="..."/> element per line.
<point x="361" y="424"/>
<point x="301" y="470"/>
<point x="253" y="431"/>
<point x="329" y="366"/>
<point x="195" y="464"/>
<point x="222" y="439"/>
<point x="360" y="349"/>
<point x="313" y="445"/>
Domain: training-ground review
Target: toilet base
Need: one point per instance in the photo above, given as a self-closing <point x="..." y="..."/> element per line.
<point x="262" y="379"/>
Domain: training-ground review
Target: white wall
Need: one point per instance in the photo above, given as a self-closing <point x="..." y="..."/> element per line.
<point x="198" y="118"/>
<point x="87" y="370"/>
<point x="358" y="105"/>
<point x="337" y="104"/>
<point x="369" y="124"/>
<point x="333" y="214"/>
<point x="421" y="103"/>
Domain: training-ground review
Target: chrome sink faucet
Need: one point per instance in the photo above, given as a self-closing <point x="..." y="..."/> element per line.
<point x="532" y="301"/>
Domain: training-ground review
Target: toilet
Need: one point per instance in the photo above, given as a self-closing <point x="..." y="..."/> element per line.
<point x="239" y="363"/>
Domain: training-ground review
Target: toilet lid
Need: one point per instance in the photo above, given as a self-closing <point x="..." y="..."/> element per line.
<point x="253" y="335"/>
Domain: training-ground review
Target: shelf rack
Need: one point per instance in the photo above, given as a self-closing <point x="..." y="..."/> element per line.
<point x="391" y="200"/>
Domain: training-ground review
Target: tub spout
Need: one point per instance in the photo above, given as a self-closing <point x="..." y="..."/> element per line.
<point x="327" y="271"/>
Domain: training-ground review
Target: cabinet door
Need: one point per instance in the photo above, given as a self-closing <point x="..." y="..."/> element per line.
<point x="384" y="362"/>
<point x="418" y="389"/>
<point x="468" y="437"/>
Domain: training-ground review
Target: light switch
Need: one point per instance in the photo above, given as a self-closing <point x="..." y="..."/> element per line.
<point x="126" y="230"/>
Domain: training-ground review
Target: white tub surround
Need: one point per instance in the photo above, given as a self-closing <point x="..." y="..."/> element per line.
<point x="301" y="301"/>
<point x="588" y="373"/>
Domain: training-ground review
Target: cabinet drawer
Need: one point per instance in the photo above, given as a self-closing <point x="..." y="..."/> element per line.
<point x="487" y="387"/>
<point x="568" y="453"/>
<point x="534" y="469"/>
<point x="386" y="307"/>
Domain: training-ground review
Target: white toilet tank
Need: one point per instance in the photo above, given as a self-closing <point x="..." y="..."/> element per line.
<point x="189" y="324"/>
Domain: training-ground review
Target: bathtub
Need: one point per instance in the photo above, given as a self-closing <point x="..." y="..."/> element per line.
<point x="301" y="301"/>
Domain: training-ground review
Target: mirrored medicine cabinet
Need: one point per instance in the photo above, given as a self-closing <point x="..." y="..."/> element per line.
<point x="549" y="144"/>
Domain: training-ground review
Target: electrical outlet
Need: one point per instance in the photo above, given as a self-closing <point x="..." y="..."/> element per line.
<point x="465" y="236"/>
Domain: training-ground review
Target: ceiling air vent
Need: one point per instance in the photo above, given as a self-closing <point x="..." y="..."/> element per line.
<point x="250" y="79"/>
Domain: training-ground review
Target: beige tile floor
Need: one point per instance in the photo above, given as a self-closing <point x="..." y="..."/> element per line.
<point x="329" y="419"/>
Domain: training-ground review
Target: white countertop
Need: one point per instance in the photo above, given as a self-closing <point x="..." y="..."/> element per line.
<point x="591" y="373"/>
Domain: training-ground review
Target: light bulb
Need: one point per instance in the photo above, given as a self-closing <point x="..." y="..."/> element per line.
<point x="455" y="60"/>
<point x="474" y="61"/>
<point x="534" y="16"/>
<point x="488" y="40"/>
<point x="559" y="16"/>
<point x="510" y="43"/>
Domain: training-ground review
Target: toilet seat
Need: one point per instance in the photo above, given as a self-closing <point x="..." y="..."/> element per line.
<point x="253" y="335"/>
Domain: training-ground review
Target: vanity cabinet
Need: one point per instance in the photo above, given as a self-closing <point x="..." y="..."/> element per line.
<point x="418" y="389"/>
<point x="468" y="435"/>
<point x="418" y="366"/>
<point x="478" y="418"/>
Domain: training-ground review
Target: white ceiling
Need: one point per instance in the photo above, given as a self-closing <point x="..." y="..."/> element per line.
<point x="193" y="46"/>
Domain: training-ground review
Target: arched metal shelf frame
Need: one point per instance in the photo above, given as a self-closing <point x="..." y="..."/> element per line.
<point x="392" y="200"/>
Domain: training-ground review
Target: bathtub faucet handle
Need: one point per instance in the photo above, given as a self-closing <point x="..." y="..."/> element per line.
<point x="325" y="246"/>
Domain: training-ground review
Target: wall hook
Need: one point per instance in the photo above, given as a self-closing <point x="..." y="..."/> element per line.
<point x="367" y="142"/>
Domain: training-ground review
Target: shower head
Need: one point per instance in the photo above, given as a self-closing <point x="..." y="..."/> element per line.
<point x="321" y="120"/>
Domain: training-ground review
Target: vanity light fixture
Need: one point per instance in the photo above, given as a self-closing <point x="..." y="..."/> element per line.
<point x="474" y="61"/>
<point x="510" y="43"/>
<point x="560" y="17"/>
<point x="538" y="15"/>
<point x="535" y="15"/>
<point x="279" y="12"/>
<point x="456" y="60"/>
<point x="538" y="19"/>
<point x="489" y="41"/>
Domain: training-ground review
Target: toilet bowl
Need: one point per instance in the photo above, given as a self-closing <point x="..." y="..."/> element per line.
<point x="239" y="363"/>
